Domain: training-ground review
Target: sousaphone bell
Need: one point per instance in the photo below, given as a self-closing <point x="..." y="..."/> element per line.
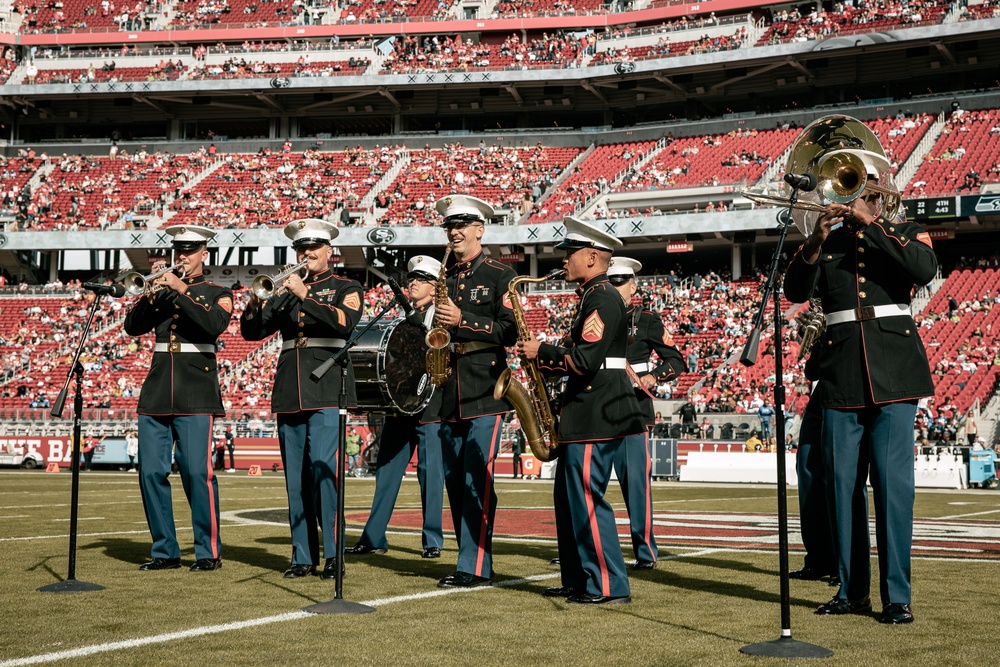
<point x="841" y="152"/>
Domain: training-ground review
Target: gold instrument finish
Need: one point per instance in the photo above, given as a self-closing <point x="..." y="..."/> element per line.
<point x="263" y="286"/>
<point x="838" y="151"/>
<point x="811" y="323"/>
<point x="438" y="339"/>
<point x="531" y="404"/>
<point x="137" y="284"/>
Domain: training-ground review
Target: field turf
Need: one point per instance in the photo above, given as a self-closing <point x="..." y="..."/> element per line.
<point x="715" y="590"/>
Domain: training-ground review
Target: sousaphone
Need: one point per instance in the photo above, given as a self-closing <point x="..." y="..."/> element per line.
<point x="841" y="152"/>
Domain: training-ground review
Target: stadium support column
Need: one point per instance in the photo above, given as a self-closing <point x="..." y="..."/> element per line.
<point x="736" y="261"/>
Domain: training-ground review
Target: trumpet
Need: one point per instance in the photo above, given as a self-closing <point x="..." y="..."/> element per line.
<point x="263" y="286"/>
<point x="137" y="284"/>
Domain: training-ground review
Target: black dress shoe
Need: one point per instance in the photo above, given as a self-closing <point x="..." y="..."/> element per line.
<point x="555" y="561"/>
<point x="363" y="549"/>
<point x="207" y="564"/>
<point x="463" y="580"/>
<point x="431" y="552"/>
<point x="330" y="569"/>
<point x="839" y="606"/>
<point x="590" y="598"/>
<point x="896" y="613"/>
<point x="644" y="565"/>
<point x="161" y="564"/>
<point x="560" y="592"/>
<point x="299" y="571"/>
<point x="807" y="573"/>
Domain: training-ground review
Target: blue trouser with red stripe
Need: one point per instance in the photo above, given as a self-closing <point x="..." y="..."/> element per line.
<point x="308" y="442"/>
<point x="634" y="468"/>
<point x="469" y="448"/>
<point x="400" y="436"/>
<point x="157" y="434"/>
<point x="874" y="442"/>
<point x="590" y="552"/>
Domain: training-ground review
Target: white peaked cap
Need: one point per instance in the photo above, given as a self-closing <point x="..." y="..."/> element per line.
<point x="463" y="208"/>
<point x="580" y="234"/>
<point x="425" y="266"/>
<point x="311" y="231"/>
<point x="189" y="236"/>
<point x="624" y="266"/>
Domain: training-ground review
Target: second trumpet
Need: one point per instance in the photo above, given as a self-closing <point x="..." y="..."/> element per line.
<point x="263" y="286"/>
<point x="136" y="284"/>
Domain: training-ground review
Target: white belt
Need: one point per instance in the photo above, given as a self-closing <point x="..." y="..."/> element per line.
<point x="642" y="368"/>
<point x="867" y="313"/>
<point x="206" y="348"/>
<point x="312" y="342"/>
<point x="474" y="346"/>
<point x="614" y="363"/>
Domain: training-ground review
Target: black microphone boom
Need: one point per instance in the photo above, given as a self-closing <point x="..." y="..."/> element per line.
<point x="803" y="182"/>
<point x="401" y="299"/>
<point x="114" y="290"/>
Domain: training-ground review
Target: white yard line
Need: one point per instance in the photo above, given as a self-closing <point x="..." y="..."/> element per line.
<point x="962" y="516"/>
<point x="241" y="625"/>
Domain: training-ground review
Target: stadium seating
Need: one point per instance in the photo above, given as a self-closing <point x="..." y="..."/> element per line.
<point x="969" y="144"/>
<point x="860" y="17"/>
<point x="589" y="178"/>
<point x="274" y="188"/>
<point x="500" y="175"/>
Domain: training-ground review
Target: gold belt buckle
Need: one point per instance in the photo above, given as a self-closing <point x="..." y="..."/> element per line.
<point x="459" y="348"/>
<point x="302" y="342"/>
<point x="173" y="347"/>
<point x="865" y="313"/>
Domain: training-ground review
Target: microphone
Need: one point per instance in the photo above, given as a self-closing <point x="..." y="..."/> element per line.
<point x="114" y="290"/>
<point x="804" y="182"/>
<point x="400" y="297"/>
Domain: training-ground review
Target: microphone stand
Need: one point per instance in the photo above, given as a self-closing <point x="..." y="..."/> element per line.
<point x="71" y="585"/>
<point x="338" y="605"/>
<point x="784" y="646"/>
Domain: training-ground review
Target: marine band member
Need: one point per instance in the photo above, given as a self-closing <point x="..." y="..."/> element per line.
<point x="633" y="463"/>
<point x="599" y="411"/>
<point x="872" y="372"/>
<point x="315" y="315"/>
<point x="180" y="399"/>
<point x="481" y="322"/>
<point x="402" y="434"/>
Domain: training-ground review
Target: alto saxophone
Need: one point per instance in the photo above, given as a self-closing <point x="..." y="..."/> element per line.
<point x="531" y="404"/>
<point x="811" y="324"/>
<point x="438" y="339"/>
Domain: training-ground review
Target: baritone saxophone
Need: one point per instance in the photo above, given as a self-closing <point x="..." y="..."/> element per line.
<point x="438" y="361"/>
<point x="532" y="405"/>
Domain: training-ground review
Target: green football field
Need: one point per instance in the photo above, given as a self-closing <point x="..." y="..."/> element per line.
<point x="715" y="590"/>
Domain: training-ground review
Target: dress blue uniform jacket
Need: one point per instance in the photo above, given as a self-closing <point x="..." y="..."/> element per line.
<point x="648" y="335"/>
<point x="182" y="383"/>
<point x="878" y="265"/>
<point x="331" y="309"/>
<point x="479" y="288"/>
<point x="599" y="403"/>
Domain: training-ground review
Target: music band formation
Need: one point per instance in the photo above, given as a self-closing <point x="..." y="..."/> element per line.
<point x="586" y="405"/>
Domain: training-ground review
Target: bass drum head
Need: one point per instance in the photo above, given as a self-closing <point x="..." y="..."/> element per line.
<point x="390" y="363"/>
<point x="404" y="368"/>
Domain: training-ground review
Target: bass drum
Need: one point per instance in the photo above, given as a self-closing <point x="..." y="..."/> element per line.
<point x="390" y="368"/>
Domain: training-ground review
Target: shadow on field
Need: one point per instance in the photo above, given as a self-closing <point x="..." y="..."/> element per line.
<point x="406" y="562"/>
<point x="129" y="551"/>
<point x="722" y="586"/>
<point x="44" y="565"/>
